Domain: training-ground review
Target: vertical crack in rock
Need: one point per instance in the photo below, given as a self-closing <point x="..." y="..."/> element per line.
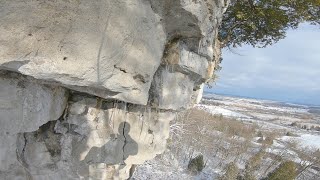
<point x="124" y="142"/>
<point x="65" y="113"/>
<point x="24" y="149"/>
<point x="141" y="116"/>
<point x="20" y="155"/>
<point x="98" y="108"/>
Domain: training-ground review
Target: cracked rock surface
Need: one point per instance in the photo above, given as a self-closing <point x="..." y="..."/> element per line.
<point x="88" y="88"/>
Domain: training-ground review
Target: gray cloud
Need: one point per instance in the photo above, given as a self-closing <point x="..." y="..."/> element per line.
<point x="286" y="71"/>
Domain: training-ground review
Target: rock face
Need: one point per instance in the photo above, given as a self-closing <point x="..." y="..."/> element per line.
<point x="88" y="88"/>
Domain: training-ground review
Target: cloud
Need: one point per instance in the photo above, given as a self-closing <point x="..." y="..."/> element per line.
<point x="288" y="70"/>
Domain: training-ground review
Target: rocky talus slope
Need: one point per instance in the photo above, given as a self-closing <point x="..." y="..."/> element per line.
<point x="88" y="88"/>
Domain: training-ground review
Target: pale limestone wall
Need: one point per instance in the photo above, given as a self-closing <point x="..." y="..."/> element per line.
<point x="88" y="88"/>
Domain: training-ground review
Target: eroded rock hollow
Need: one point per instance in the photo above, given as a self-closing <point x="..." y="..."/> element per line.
<point x="88" y="88"/>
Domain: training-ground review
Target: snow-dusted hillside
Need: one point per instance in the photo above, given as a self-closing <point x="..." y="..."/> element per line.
<point x="302" y="119"/>
<point x="231" y="129"/>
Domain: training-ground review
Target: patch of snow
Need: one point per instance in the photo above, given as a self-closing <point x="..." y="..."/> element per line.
<point x="308" y="141"/>
<point x="219" y="110"/>
<point x="276" y="144"/>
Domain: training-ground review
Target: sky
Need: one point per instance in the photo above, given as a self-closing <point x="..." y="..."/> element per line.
<point x="287" y="71"/>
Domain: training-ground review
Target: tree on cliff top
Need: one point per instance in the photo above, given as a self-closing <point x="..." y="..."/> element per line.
<point x="264" y="22"/>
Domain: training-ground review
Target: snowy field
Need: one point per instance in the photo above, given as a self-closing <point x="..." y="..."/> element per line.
<point x="301" y="119"/>
<point x="239" y="130"/>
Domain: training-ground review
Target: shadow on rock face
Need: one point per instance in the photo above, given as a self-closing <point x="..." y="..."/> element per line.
<point x="115" y="151"/>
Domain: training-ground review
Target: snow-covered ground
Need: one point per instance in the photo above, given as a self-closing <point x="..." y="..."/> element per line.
<point x="295" y="130"/>
<point x="221" y="111"/>
<point x="270" y="113"/>
<point x="254" y="104"/>
<point x="287" y="115"/>
<point x="305" y="141"/>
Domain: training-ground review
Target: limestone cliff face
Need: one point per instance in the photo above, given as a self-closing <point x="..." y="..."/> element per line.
<point x="88" y="88"/>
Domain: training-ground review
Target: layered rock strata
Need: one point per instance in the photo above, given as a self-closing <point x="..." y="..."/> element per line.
<point x="88" y="88"/>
